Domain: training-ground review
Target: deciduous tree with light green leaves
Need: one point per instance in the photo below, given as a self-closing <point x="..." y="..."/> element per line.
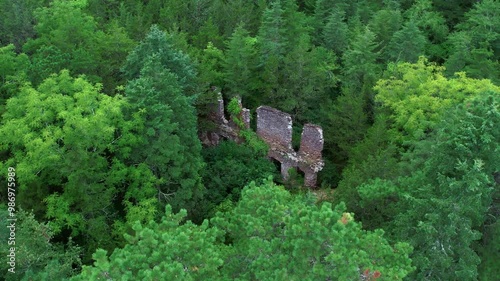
<point x="417" y="95"/>
<point x="69" y="144"/>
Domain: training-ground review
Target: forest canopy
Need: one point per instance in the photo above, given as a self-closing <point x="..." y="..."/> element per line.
<point x="104" y="175"/>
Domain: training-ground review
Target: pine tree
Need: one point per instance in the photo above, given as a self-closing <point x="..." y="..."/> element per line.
<point x="240" y="66"/>
<point x="171" y="149"/>
<point x="272" y="44"/>
<point x="384" y="24"/>
<point x="360" y="68"/>
<point x="323" y="9"/>
<point x="406" y="44"/>
<point x="447" y="200"/>
<point x="306" y="78"/>
<point x="432" y="25"/>
<point x="336" y="32"/>
<point x="346" y="124"/>
<point x="475" y="47"/>
<point x="159" y="44"/>
<point x="270" y="234"/>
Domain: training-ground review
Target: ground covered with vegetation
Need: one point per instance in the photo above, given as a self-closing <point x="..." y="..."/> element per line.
<point x="102" y="101"/>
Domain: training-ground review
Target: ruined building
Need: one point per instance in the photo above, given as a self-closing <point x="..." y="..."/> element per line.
<point x="275" y="128"/>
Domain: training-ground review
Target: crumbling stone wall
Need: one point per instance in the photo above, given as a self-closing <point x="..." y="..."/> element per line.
<point x="275" y="128"/>
<point x="224" y="127"/>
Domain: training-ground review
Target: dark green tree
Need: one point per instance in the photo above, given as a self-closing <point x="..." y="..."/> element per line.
<point x="38" y="257"/>
<point x="375" y="157"/>
<point x="447" y="200"/>
<point x="336" y="32"/>
<point x="361" y="69"/>
<point x="346" y="124"/>
<point x="171" y="149"/>
<point x="113" y="47"/>
<point x="18" y="21"/>
<point x="230" y="167"/>
<point x="158" y="44"/>
<point x="228" y="15"/>
<point x="103" y="11"/>
<point x="306" y="80"/>
<point x="67" y="38"/>
<point x="407" y="44"/>
<point x="384" y="24"/>
<point x="240" y="66"/>
<point x="475" y="47"/>
<point x="433" y="25"/>
<point x="283" y="28"/>
<point x="170" y="119"/>
<point x="273" y="43"/>
<point x="454" y="13"/>
<point x="208" y="33"/>
<point x="13" y="70"/>
<point x="360" y="63"/>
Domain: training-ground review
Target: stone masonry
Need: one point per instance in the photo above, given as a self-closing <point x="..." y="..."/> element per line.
<point x="275" y="128"/>
<point x="225" y="128"/>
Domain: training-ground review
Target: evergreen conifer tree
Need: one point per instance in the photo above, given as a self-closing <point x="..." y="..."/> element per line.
<point x="171" y="150"/>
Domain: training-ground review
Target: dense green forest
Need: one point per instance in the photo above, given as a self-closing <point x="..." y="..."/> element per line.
<point x="104" y="177"/>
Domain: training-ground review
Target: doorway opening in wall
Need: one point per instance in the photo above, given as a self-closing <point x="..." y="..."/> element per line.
<point x="295" y="179"/>
<point x="277" y="165"/>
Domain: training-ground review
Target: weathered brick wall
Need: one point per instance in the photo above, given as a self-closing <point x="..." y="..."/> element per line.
<point x="275" y="128"/>
<point x="311" y="141"/>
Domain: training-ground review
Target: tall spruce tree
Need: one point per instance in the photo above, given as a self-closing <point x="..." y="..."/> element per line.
<point x="171" y="149"/>
<point x="335" y="34"/>
<point x="448" y="199"/>
<point x="433" y="26"/>
<point x="240" y="66"/>
<point x="161" y="45"/>
<point x="273" y="44"/>
<point x="406" y="44"/>
<point x="476" y="44"/>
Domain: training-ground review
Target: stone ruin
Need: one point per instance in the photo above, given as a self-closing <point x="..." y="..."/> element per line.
<point x="275" y="128"/>
<point x="224" y="128"/>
